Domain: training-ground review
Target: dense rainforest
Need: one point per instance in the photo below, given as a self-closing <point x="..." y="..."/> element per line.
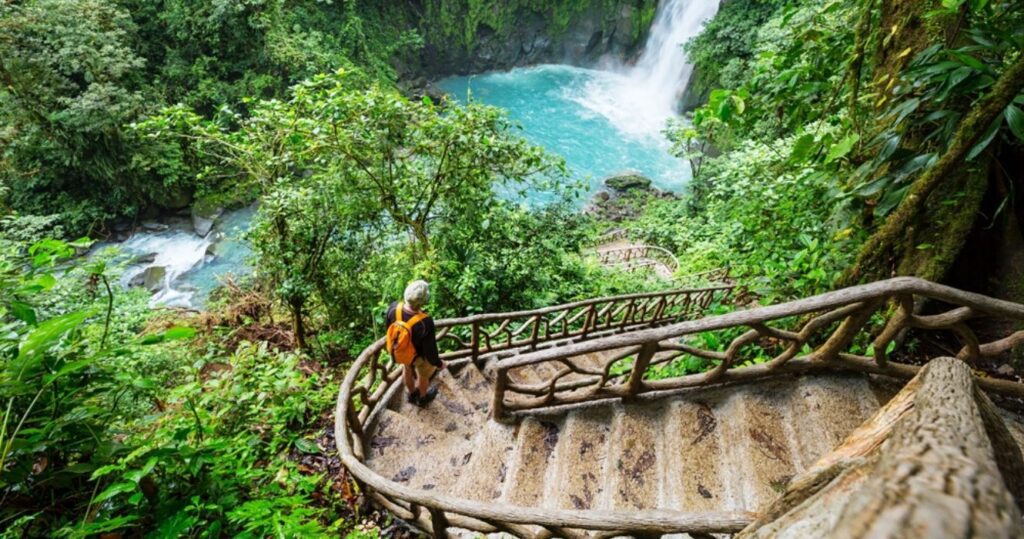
<point x="830" y="143"/>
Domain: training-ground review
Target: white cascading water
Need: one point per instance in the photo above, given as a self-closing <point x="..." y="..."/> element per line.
<point x="639" y="99"/>
<point x="176" y="251"/>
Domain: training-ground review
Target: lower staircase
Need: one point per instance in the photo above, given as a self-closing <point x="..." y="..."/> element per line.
<point x="564" y="423"/>
<point x="707" y="450"/>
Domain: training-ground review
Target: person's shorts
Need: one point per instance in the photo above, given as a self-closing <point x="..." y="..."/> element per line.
<point x="423" y="368"/>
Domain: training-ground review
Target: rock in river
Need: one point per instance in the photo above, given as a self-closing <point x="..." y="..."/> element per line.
<point x="151" y="278"/>
<point x="627" y="181"/>
<point x="202" y="222"/>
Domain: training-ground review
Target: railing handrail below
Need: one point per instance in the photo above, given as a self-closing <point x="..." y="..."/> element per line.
<point x="821" y="302"/>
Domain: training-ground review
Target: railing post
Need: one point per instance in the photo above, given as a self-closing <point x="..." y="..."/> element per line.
<point x="535" y="332"/>
<point x="498" y="398"/>
<point x="643" y="359"/>
<point x="630" y="308"/>
<point x="438" y="523"/>
<point x="659" y="310"/>
<point x="474" y="343"/>
<point x="588" y="320"/>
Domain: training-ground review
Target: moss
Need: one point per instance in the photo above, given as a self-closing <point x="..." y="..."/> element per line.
<point x="933" y="247"/>
<point x="889" y="243"/>
<point x="465" y="20"/>
<point x="643" y="19"/>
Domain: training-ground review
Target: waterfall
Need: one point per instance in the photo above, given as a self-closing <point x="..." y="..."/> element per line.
<point x="639" y="99"/>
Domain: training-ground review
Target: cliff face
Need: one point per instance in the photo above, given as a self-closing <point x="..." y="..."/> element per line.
<point x="580" y="35"/>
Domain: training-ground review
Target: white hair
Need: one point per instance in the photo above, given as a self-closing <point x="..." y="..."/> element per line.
<point x="417" y="294"/>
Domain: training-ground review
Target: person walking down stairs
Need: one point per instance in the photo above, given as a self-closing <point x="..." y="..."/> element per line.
<point x="412" y="342"/>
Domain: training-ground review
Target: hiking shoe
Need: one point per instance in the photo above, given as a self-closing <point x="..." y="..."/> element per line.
<point x="425" y="399"/>
<point x="413" y="397"/>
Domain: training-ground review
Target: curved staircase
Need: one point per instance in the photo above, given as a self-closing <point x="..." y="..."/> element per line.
<point x="709" y="450"/>
<point x="564" y="422"/>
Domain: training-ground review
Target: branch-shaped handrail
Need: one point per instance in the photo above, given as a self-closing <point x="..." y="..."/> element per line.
<point x="633" y="327"/>
<point x="370" y="383"/>
<point x="714" y="275"/>
<point x="484" y="336"/>
<point x="635" y="256"/>
<point x="816" y="345"/>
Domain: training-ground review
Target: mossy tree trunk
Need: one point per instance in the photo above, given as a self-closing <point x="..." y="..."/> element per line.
<point x="892" y="248"/>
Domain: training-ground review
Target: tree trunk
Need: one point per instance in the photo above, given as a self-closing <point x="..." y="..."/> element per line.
<point x="857" y="63"/>
<point x="298" y="326"/>
<point x="880" y="254"/>
<point x="936" y="475"/>
<point x="419" y="233"/>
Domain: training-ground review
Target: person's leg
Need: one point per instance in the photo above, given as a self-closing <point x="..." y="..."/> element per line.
<point x="424" y="371"/>
<point x="408" y="377"/>
<point x="424" y="385"/>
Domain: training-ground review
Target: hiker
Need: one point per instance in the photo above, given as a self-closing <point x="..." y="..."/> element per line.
<point x="411" y="341"/>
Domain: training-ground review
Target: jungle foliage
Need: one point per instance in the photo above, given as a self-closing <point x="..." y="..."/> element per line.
<point x="859" y="138"/>
<point x="76" y="73"/>
<point x="835" y="129"/>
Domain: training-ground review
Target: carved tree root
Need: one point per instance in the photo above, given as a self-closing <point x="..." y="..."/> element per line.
<point x="935" y="476"/>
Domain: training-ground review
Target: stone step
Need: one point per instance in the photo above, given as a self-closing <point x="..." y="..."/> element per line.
<point x="633" y="474"/>
<point x="819" y="421"/>
<point x="580" y="459"/>
<point x="841" y="402"/>
<point x="449" y="414"/>
<point x="697" y="478"/>
<point x="402" y="450"/>
<point x="532" y="456"/>
<point x="717" y="449"/>
<point x="474" y="388"/>
<point x="759" y="443"/>
<point x="484" y="477"/>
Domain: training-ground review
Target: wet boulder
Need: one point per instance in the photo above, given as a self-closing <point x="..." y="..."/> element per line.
<point x="203" y="221"/>
<point x="151" y="278"/>
<point x="626" y="181"/>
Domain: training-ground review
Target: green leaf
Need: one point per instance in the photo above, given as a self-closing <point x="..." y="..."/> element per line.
<point x="179" y="332"/>
<point x="153" y="338"/>
<point x="24" y="312"/>
<point x="986" y="139"/>
<point x="890" y="201"/>
<point x="114" y="490"/>
<point x="873" y="188"/>
<point x="841" y="148"/>
<point x="802" y="149"/>
<point x="175" y="526"/>
<point x="49" y="332"/>
<point x="69" y="368"/>
<point x="1015" y="119"/>
<point x="307" y="446"/>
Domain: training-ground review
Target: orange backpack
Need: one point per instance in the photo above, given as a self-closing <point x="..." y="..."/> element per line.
<point x="399" y="338"/>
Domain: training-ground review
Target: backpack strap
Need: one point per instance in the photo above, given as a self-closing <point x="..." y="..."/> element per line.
<point x="416" y="318"/>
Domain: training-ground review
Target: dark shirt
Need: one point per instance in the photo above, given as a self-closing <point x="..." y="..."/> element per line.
<point x="424" y="338"/>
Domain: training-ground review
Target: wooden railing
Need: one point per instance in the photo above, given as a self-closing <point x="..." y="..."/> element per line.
<point x="630" y="332"/>
<point x="486" y="336"/>
<point x="716" y="275"/>
<point x="372" y="381"/>
<point x="832" y="334"/>
<point x="638" y="256"/>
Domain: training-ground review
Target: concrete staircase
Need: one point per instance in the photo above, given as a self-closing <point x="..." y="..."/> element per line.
<point x="717" y="449"/>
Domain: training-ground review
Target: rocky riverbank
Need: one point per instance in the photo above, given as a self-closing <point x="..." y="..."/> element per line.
<point x="624" y="197"/>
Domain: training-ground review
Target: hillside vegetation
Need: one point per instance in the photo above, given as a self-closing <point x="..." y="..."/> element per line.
<point x="840" y="142"/>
